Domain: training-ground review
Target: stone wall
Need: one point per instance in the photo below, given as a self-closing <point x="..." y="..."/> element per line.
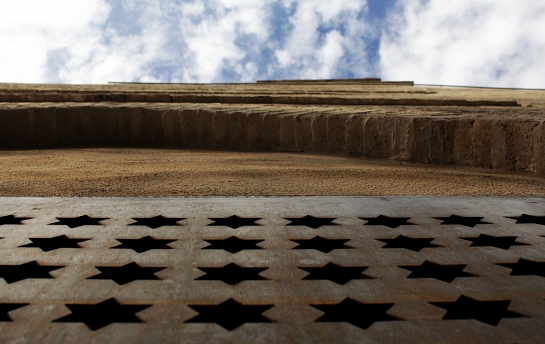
<point x="514" y="143"/>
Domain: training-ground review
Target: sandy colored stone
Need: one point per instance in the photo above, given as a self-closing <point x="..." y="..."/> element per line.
<point x="168" y="172"/>
<point x="440" y="126"/>
<point x="499" y="139"/>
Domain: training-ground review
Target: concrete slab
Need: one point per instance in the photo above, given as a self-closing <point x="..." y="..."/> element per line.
<point x="302" y="269"/>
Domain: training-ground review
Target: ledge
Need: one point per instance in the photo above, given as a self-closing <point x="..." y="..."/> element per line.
<point x="499" y="140"/>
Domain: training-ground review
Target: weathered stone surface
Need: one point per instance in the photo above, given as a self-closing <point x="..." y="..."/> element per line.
<point x="462" y="127"/>
<point x="538" y="149"/>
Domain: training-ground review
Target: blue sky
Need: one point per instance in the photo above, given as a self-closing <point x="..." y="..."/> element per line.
<point x="466" y="42"/>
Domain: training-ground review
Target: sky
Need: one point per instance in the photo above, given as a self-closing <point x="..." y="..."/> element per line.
<point x="497" y="43"/>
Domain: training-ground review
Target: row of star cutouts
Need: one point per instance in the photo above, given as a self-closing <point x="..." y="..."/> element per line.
<point x="235" y="221"/>
<point x="235" y="245"/>
<point x="233" y="274"/>
<point x="231" y="314"/>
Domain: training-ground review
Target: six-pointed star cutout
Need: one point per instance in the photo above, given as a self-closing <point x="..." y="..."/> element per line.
<point x="12" y="220"/>
<point x="311" y="221"/>
<point x="233" y="244"/>
<point x="156" y="222"/>
<point x="230" y="314"/>
<point x="445" y="273"/>
<point x="232" y="274"/>
<point x="321" y="244"/>
<point x="127" y="273"/>
<point x="234" y="221"/>
<point x="79" y="221"/>
<point x="538" y="220"/>
<point x="504" y="242"/>
<point x="15" y="273"/>
<point x="5" y="308"/>
<point x="50" y="244"/>
<point x="356" y="313"/>
<point x="488" y="312"/>
<point x="144" y="244"/>
<point x="525" y="267"/>
<point x="413" y="244"/>
<point x="392" y="222"/>
<point x="336" y="273"/>
<point x="96" y="316"/>
<point x="462" y="220"/>
<point x="110" y="311"/>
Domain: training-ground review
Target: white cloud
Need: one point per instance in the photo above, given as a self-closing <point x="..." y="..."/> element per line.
<point x="308" y="54"/>
<point x="485" y="42"/>
<point x="465" y="42"/>
<point x="29" y="28"/>
<point x="100" y="53"/>
<point x="95" y="41"/>
<point x="211" y="31"/>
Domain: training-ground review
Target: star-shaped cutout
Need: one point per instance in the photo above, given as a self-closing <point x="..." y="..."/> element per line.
<point x="311" y="221"/>
<point x="16" y="273"/>
<point x="462" y="220"/>
<point x="488" y="312"/>
<point x="445" y="273"/>
<point x="230" y="314"/>
<point x="74" y="222"/>
<point x="127" y="273"/>
<point x="99" y="315"/>
<point x="392" y="222"/>
<point x="235" y="222"/>
<point x="538" y="220"/>
<point x="232" y="274"/>
<point x="5" y="308"/>
<point x="12" y="220"/>
<point x="525" y="267"/>
<point x="156" y="222"/>
<point x="144" y="244"/>
<point x="336" y="273"/>
<point x="504" y="242"/>
<point x="50" y="244"/>
<point x="356" y="313"/>
<point x="413" y="244"/>
<point x="321" y="244"/>
<point x="233" y="245"/>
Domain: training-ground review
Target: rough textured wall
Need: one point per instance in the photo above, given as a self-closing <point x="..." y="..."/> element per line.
<point x="482" y="128"/>
<point x="509" y="143"/>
